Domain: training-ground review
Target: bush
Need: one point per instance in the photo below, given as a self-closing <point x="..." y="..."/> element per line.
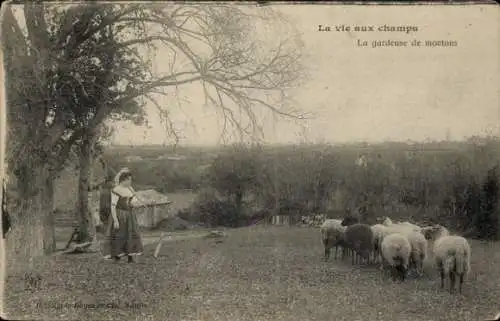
<point x="173" y="223"/>
<point x="211" y="210"/>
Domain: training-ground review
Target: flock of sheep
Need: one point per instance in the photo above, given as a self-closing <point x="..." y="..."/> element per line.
<point x="399" y="247"/>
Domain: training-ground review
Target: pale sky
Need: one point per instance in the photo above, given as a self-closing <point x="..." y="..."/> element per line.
<point x="372" y="94"/>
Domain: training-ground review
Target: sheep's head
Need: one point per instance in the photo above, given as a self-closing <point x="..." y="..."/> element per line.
<point x="427" y="232"/>
<point x="350" y="220"/>
<point x="434" y="232"/>
<point x="387" y="221"/>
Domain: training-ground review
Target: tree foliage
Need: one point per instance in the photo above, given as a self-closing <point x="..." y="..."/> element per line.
<point x="86" y="64"/>
<point x="93" y="62"/>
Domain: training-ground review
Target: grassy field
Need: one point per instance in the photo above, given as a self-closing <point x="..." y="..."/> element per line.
<point x="255" y="274"/>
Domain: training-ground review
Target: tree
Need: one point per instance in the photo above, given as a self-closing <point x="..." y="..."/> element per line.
<point x="91" y="61"/>
<point x="234" y="175"/>
<point x="487" y="220"/>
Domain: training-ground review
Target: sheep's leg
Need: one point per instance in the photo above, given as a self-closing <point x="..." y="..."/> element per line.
<point x="421" y="266"/>
<point x="441" y="273"/>
<point x="402" y="273"/>
<point x="327" y="250"/>
<point x="460" y="284"/>
<point x="452" y="282"/>
<point x="413" y="263"/>
<point x="394" y="273"/>
<point x="336" y="250"/>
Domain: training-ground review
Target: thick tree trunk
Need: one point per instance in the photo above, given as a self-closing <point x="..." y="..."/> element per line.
<point x="25" y="240"/>
<point x="86" y="224"/>
<point x="87" y="228"/>
<point x="49" y="237"/>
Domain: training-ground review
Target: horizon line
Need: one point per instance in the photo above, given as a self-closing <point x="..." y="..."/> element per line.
<point x="408" y="142"/>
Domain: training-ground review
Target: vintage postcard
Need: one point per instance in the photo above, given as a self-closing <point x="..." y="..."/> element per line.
<point x="250" y="161"/>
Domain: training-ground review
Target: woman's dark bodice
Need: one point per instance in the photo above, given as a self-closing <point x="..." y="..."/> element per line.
<point x="124" y="203"/>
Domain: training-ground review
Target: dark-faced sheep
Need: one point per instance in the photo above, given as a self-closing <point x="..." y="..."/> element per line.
<point x="350" y="219"/>
<point x="360" y="239"/>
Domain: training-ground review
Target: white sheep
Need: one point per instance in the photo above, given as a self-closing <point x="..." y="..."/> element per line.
<point x="379" y="232"/>
<point x="418" y="251"/>
<point x="404" y="228"/>
<point x="396" y="250"/>
<point x="388" y="222"/>
<point x="452" y="256"/>
<point x="332" y="234"/>
<point x="417" y="241"/>
<point x="414" y="227"/>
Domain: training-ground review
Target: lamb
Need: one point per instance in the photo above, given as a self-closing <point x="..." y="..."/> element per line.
<point x="332" y="233"/>
<point x="418" y="251"/>
<point x="359" y="238"/>
<point x="396" y="250"/>
<point x="452" y="256"/>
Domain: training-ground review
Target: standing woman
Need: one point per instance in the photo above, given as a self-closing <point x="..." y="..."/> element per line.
<point x="122" y="230"/>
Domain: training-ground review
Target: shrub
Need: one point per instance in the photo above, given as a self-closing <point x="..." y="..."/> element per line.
<point x="212" y="210"/>
<point x="173" y="223"/>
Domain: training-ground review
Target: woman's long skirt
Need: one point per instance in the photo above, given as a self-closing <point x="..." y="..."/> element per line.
<point x="126" y="240"/>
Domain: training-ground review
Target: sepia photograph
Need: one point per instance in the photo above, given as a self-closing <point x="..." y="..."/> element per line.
<point x="250" y="161"/>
